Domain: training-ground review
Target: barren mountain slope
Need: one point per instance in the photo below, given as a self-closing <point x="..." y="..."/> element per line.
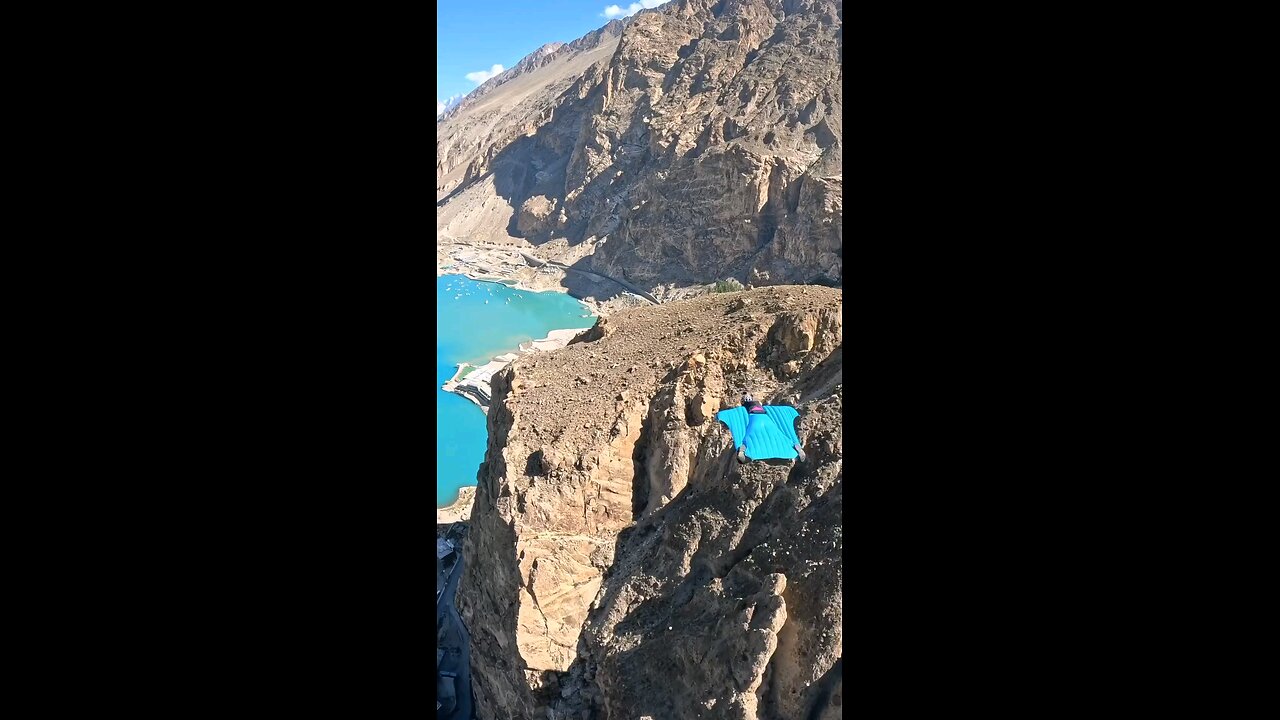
<point x="702" y="143"/>
<point x="625" y="564"/>
<point x="508" y="106"/>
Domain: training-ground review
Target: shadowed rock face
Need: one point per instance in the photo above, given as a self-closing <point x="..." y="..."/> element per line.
<point x="690" y="143"/>
<point x="624" y="565"/>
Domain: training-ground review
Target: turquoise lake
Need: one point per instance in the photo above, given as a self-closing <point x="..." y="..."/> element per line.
<point x="474" y="322"/>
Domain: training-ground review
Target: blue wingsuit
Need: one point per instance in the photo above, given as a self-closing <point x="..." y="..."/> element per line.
<point x="770" y="434"/>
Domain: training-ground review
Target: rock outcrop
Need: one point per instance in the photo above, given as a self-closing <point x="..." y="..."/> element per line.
<point x="694" y="142"/>
<point x="625" y="565"/>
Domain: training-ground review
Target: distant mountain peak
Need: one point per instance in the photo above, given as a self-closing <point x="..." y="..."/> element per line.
<point x="546" y="49"/>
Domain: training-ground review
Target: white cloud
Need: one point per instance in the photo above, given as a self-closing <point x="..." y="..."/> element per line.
<point x="480" y="76"/>
<point x="614" y="12"/>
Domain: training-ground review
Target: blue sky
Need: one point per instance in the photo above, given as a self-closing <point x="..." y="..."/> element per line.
<point x="477" y="39"/>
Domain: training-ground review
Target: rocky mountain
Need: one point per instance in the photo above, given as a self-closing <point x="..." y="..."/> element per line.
<point x="534" y="60"/>
<point x="624" y="564"/>
<point x="697" y="141"/>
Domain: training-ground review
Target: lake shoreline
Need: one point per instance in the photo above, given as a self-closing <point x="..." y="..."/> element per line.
<point x="594" y="307"/>
<point x="475" y="385"/>
<point x="460" y="509"/>
<point x="471" y="380"/>
<point x="518" y="268"/>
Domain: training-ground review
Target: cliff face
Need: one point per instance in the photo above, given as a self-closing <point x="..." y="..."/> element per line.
<point x="625" y="564"/>
<point x="694" y="142"/>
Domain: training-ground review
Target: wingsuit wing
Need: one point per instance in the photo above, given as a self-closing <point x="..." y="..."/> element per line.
<point x="772" y="435"/>
<point x="736" y="420"/>
<point x="784" y="417"/>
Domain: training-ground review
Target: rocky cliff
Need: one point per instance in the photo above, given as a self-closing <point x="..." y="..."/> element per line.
<point x="625" y="565"/>
<point x="697" y="141"/>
